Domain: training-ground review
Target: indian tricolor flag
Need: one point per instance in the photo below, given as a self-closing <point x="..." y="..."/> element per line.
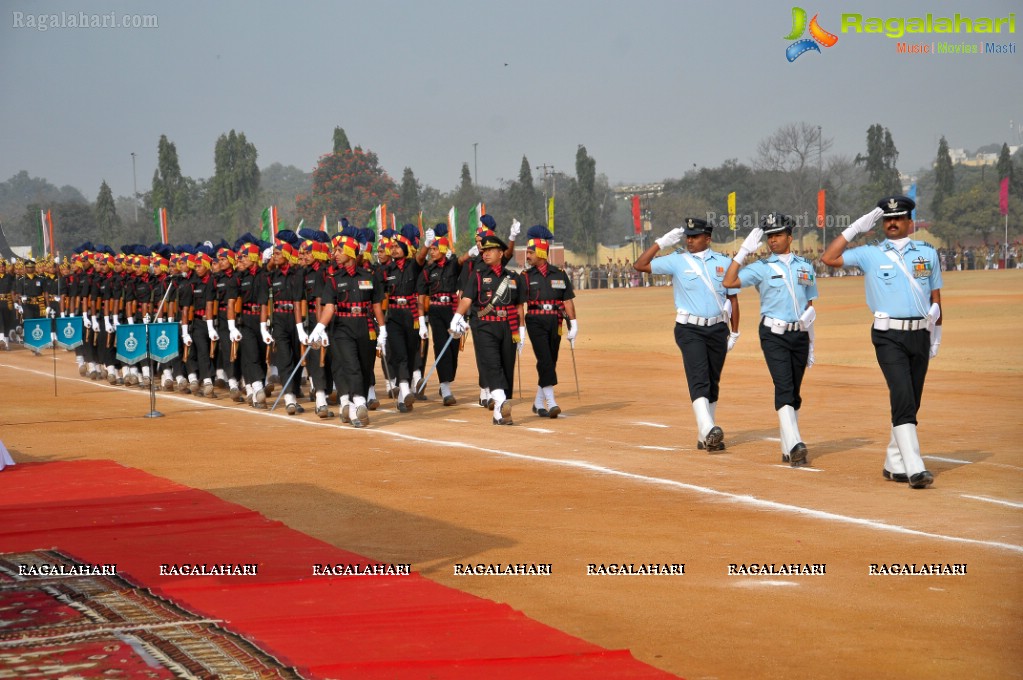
<point x="46" y="231"/>
<point x="453" y="225"/>
<point x="162" y="226"/>
<point x="270" y="223"/>
<point x="323" y="224"/>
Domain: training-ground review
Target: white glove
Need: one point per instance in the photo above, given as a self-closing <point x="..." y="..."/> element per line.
<point x="55" y="298"/>
<point x="573" y="329"/>
<point x="160" y="319"/>
<point x="24" y="298"/>
<point x="185" y="337"/>
<point x="85" y="321"/>
<point x="933" y="315"/>
<point x="733" y="338"/>
<point x="147" y="319"/>
<point x="107" y="325"/>
<point x="214" y="335"/>
<point x="267" y="338"/>
<point x="451" y="254"/>
<point x="807" y="318"/>
<point x="428" y="238"/>
<point x="115" y="321"/>
<point x="18" y="308"/>
<point x="671" y="238"/>
<point x="424" y="328"/>
<point x="749" y="245"/>
<point x="131" y="320"/>
<point x="233" y="332"/>
<point x="474" y="251"/>
<point x="53" y="337"/>
<point x="458" y="325"/>
<point x="935" y="341"/>
<point x="809" y="357"/>
<point x="51" y="313"/>
<point x="318" y="336"/>
<point x="862" y="225"/>
<point x="63" y="315"/>
<point x="522" y="340"/>
<point x="382" y="340"/>
<point x="516" y="227"/>
<point x="302" y="336"/>
<point x="95" y="323"/>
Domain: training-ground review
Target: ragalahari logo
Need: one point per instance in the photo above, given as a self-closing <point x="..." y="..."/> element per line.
<point x="817" y="35"/>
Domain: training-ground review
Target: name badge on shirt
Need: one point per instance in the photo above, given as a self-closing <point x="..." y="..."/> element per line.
<point x="365" y="285"/>
<point x="558" y="284"/>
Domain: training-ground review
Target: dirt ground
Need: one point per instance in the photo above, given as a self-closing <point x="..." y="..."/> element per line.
<point x="618" y="479"/>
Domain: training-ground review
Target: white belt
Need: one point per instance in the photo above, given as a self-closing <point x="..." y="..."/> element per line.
<point x="682" y="317"/>
<point x="775" y="323"/>
<point x="904" y="324"/>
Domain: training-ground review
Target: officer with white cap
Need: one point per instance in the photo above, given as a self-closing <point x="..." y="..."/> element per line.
<point x="903" y="287"/>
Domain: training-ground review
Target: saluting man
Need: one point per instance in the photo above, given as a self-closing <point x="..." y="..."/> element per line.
<point x="903" y="286"/>
<point x="704" y="308"/>
<point x="787" y="288"/>
<point x="549" y="300"/>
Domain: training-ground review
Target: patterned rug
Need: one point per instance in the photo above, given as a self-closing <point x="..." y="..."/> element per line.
<point x="59" y="620"/>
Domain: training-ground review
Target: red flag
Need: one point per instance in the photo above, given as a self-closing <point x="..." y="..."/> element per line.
<point x="821" y="212"/>
<point x="1003" y="197"/>
<point x="637" y="225"/>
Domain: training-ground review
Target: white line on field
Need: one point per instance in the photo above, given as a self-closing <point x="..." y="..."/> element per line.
<point x="656" y="448"/>
<point x="753" y="583"/>
<point x="993" y="500"/>
<point x="948" y="460"/>
<point x="807" y="469"/>
<point x="739" y="499"/>
<point x="640" y="422"/>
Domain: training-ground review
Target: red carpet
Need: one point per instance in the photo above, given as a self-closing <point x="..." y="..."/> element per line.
<point x="99" y="512"/>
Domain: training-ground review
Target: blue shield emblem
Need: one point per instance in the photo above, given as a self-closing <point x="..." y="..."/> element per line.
<point x="163" y="341"/>
<point x="37" y="333"/>
<point x="69" y="332"/>
<point x="131" y="343"/>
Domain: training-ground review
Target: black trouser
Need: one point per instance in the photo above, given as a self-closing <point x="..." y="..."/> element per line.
<point x="903" y="357"/>
<point x="474" y="324"/>
<point x="495" y="352"/>
<point x="251" y="350"/>
<point x="201" y="350"/>
<point x="402" y="345"/>
<point x="352" y="355"/>
<point x="320" y="375"/>
<point x="786" y="355"/>
<point x="232" y="368"/>
<point x="440" y="321"/>
<point x="545" y="337"/>
<point x="286" y="348"/>
<point x="8" y="320"/>
<point x="703" y="356"/>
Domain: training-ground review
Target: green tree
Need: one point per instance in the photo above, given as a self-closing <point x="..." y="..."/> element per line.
<point x="349" y="183"/>
<point x="973" y="214"/>
<point x="408" y="206"/>
<point x="583" y="217"/>
<point x="341" y="141"/>
<point x="234" y="189"/>
<point x="883" y="176"/>
<point x="73" y="224"/>
<point x="944" y="178"/>
<point x="170" y="189"/>
<point x="108" y="222"/>
<point x="525" y="202"/>
<point x="793" y="160"/>
<point x="465" y="199"/>
<point x="1005" y="167"/>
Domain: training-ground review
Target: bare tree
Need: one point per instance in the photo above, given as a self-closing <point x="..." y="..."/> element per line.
<point x="793" y="156"/>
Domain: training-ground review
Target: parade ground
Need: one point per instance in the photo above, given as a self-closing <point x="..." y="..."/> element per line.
<point x="788" y="573"/>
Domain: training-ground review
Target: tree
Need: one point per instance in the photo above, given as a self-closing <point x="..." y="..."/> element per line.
<point x="582" y="219"/>
<point x="108" y="222"/>
<point x="1005" y="166"/>
<point x="234" y="189"/>
<point x="525" y="203"/>
<point x="170" y="189"/>
<point x="973" y="213"/>
<point x="883" y="176"/>
<point x="793" y="159"/>
<point x="73" y="224"/>
<point x="408" y="206"/>
<point x="348" y="183"/>
<point x="341" y="141"/>
<point x="944" y="178"/>
<point x="466" y="198"/>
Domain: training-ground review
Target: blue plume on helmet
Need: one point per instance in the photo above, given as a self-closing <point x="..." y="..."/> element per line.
<point x="540" y="231"/>
<point x="440" y="229"/>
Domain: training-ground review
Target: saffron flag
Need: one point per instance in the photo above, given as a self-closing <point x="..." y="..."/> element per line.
<point x="270" y="223"/>
<point x="550" y="214"/>
<point x="323" y="224"/>
<point x="453" y="225"/>
<point x="637" y="223"/>
<point x="731" y="211"/>
<point x="160" y="220"/>
<point x="821" y="208"/>
<point x="45" y="232"/>
<point x="1003" y="197"/>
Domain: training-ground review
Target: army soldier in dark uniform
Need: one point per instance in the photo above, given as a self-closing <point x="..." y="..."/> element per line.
<point x="903" y="287"/>
<point x="496" y="295"/>
<point x="787" y="288"/>
<point x="549" y="299"/>
<point x="7" y="323"/>
<point x="284" y="283"/>
<point x="228" y="309"/>
<point x="32" y="292"/>
<point x="351" y="302"/>
<point x="401" y="277"/>
<point x="195" y="298"/>
<point x="438" y="295"/>
<point x="252" y="291"/>
<point x="314" y="254"/>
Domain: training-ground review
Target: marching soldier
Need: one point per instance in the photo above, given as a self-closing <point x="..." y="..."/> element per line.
<point x="903" y="288"/>
<point x="284" y="284"/>
<point x="252" y="291"/>
<point x="438" y="295"/>
<point x="401" y="277"/>
<point x="195" y="299"/>
<point x="7" y="319"/>
<point x="495" y="295"/>
<point x="228" y="308"/>
<point x="314" y="254"/>
<point x="704" y="308"/>
<point x="787" y="288"/>
<point x="549" y="300"/>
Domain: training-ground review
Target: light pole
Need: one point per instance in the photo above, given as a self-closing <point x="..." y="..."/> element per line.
<point x="135" y="186"/>
<point x="475" y="168"/>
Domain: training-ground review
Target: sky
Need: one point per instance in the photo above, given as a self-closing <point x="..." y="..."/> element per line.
<point x="651" y="88"/>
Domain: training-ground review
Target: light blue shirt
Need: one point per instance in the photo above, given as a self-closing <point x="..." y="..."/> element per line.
<point x="889" y="290"/>
<point x="773" y="285"/>
<point x="688" y="272"/>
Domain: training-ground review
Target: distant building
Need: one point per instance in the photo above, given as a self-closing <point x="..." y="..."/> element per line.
<point x="960" y="157"/>
<point x="642" y="190"/>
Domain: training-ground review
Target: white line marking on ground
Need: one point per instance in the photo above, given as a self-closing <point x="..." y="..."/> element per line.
<point x="455" y="420"/>
<point x="640" y="422"/>
<point x="993" y="500"/>
<point x="1001" y="465"/>
<point x="738" y="499"/>
<point x="806" y="469"/>
<point x="656" y="448"/>
<point x="540" y="430"/>
<point x="948" y="460"/>
<point x="753" y="583"/>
